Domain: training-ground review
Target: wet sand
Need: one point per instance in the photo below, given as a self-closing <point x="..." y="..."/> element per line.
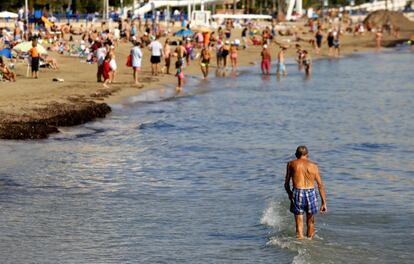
<point x="29" y="101"/>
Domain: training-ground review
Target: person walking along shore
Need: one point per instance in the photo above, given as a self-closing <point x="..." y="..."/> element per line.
<point x="303" y="174"/>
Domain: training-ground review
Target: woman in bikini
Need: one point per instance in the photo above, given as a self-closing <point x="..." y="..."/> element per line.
<point x="233" y="56"/>
<point x="204" y="62"/>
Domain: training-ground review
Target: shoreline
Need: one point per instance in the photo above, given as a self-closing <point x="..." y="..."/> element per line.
<point x="34" y="109"/>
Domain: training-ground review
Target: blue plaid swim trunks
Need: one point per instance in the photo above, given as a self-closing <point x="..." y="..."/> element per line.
<point x="304" y="200"/>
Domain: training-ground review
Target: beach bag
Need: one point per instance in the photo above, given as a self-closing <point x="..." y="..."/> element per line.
<point x="129" y="61"/>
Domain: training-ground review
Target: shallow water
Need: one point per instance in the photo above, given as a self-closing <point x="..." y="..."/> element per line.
<point x="199" y="178"/>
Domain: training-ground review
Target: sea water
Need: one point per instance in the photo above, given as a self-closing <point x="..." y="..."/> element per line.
<point x="199" y="178"/>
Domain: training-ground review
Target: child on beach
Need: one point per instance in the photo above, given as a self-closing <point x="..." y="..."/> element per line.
<point x="35" y="56"/>
<point x="266" y="59"/>
<point x="113" y="67"/>
<point x="106" y="71"/>
<point x="179" y="75"/>
<point x="233" y="56"/>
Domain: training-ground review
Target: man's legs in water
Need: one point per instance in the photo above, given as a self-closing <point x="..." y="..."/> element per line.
<point x="299" y="226"/>
<point x="311" y="225"/>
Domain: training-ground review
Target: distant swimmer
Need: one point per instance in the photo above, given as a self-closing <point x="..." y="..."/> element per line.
<point x="303" y="197"/>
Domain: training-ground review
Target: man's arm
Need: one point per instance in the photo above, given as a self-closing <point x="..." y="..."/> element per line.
<point x="287" y="182"/>
<point x="321" y="189"/>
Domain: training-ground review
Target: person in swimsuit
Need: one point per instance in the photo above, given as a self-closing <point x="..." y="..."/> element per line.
<point x="303" y="197"/>
<point x="204" y="62"/>
<point x="378" y="38"/>
<point x="337" y="44"/>
<point x="307" y="62"/>
<point x="233" y="56"/>
<point x="188" y="50"/>
<point x="266" y="60"/>
<point x="167" y="55"/>
<point x="318" y="40"/>
<point x="179" y="75"/>
<point x="281" y="67"/>
<point x="225" y="50"/>
<point x="330" y="40"/>
<point x="180" y="52"/>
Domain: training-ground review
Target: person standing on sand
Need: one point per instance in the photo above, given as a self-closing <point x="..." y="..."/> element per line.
<point x="225" y="50"/>
<point x="156" y="54"/>
<point x="180" y="76"/>
<point x="266" y="60"/>
<point x="35" y="57"/>
<point x="318" y="40"/>
<point x="303" y="197"/>
<point x="281" y="67"/>
<point x="113" y="66"/>
<point x="378" y="39"/>
<point x="100" y="57"/>
<point x="233" y="56"/>
<point x="106" y="71"/>
<point x="136" y="60"/>
<point x="167" y="55"/>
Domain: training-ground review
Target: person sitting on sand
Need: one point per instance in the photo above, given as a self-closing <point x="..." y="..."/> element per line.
<point x="50" y="61"/>
<point x="6" y="72"/>
<point x="303" y="198"/>
<point x="266" y="60"/>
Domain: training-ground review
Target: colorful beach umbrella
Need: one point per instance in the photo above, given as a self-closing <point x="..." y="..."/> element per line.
<point x="26" y="46"/>
<point x="184" y="32"/>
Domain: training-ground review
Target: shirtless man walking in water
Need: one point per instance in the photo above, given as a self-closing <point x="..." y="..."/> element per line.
<point x="304" y="173"/>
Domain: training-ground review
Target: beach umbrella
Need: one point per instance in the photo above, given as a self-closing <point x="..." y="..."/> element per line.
<point x="7" y="14"/>
<point x="184" y="32"/>
<point x="26" y="46"/>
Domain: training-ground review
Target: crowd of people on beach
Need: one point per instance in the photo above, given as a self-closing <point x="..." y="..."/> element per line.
<point x="98" y="44"/>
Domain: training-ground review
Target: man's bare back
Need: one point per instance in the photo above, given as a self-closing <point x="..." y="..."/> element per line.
<point x="303" y="173"/>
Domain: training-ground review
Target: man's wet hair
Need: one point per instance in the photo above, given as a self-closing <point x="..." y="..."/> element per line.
<point x="301" y="151"/>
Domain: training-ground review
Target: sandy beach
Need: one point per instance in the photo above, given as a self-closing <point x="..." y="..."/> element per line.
<point x="31" y="101"/>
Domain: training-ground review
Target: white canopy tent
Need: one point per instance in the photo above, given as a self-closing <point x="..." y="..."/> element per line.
<point x="7" y="14"/>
